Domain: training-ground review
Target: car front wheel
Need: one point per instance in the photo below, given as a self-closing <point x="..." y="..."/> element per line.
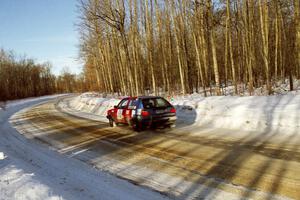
<point x="112" y="123"/>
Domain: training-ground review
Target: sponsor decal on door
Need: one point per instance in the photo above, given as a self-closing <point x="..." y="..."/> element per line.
<point x="120" y="114"/>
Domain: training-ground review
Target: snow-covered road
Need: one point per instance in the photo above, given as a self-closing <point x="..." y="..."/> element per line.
<point x="185" y="163"/>
<point x="30" y="170"/>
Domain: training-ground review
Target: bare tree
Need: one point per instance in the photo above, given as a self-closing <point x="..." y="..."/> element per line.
<point x="180" y="46"/>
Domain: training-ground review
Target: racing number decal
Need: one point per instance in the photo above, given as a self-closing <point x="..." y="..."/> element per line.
<point x="120" y="114"/>
<point x="132" y="113"/>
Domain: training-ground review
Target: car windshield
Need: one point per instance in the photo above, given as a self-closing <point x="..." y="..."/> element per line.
<point x="155" y="103"/>
<point x="123" y="104"/>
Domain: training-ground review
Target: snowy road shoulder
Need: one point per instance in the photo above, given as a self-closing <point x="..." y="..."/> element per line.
<point x="32" y="171"/>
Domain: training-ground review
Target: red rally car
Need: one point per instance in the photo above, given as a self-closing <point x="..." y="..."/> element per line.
<point x="143" y="111"/>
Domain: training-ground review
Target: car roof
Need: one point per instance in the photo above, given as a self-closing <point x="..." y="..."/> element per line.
<point x="143" y="97"/>
<point x="148" y="97"/>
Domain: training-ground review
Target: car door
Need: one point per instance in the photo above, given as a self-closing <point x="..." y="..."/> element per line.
<point x="121" y="111"/>
<point x="131" y="109"/>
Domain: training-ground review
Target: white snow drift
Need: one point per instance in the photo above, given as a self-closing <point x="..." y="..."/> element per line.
<point x="260" y="113"/>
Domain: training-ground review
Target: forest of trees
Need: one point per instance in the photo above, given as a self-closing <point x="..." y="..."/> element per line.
<point x="23" y="77"/>
<point x="132" y="47"/>
<point x="184" y="46"/>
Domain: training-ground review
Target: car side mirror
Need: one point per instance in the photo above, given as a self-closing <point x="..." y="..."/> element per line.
<point x="115" y="106"/>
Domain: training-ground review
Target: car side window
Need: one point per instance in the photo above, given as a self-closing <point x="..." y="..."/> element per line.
<point x="123" y="104"/>
<point x="132" y="104"/>
<point x="160" y="102"/>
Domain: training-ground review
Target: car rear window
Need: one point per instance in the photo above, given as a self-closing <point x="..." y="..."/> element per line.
<point x="155" y="103"/>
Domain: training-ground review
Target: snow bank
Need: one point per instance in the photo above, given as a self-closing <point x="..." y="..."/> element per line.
<point x="278" y="88"/>
<point x="263" y="113"/>
<point x="97" y="105"/>
<point x="18" y="102"/>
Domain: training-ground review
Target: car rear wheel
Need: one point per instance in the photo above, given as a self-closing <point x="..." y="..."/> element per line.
<point x="173" y="125"/>
<point x="136" y="126"/>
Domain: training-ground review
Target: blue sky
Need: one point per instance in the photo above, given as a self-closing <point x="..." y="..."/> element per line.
<point x="43" y="30"/>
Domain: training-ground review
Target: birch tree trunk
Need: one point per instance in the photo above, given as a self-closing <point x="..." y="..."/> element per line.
<point x="230" y="46"/>
<point x="297" y="39"/>
<point x="264" y="23"/>
<point x="213" y="48"/>
<point x="149" y="39"/>
<point x="180" y="64"/>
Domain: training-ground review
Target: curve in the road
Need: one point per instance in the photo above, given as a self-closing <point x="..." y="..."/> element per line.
<point x="181" y="164"/>
<point x="33" y="171"/>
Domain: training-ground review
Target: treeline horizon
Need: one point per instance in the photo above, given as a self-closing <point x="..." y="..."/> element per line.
<point x="137" y="47"/>
<point x="186" y="46"/>
<point x="22" y="77"/>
